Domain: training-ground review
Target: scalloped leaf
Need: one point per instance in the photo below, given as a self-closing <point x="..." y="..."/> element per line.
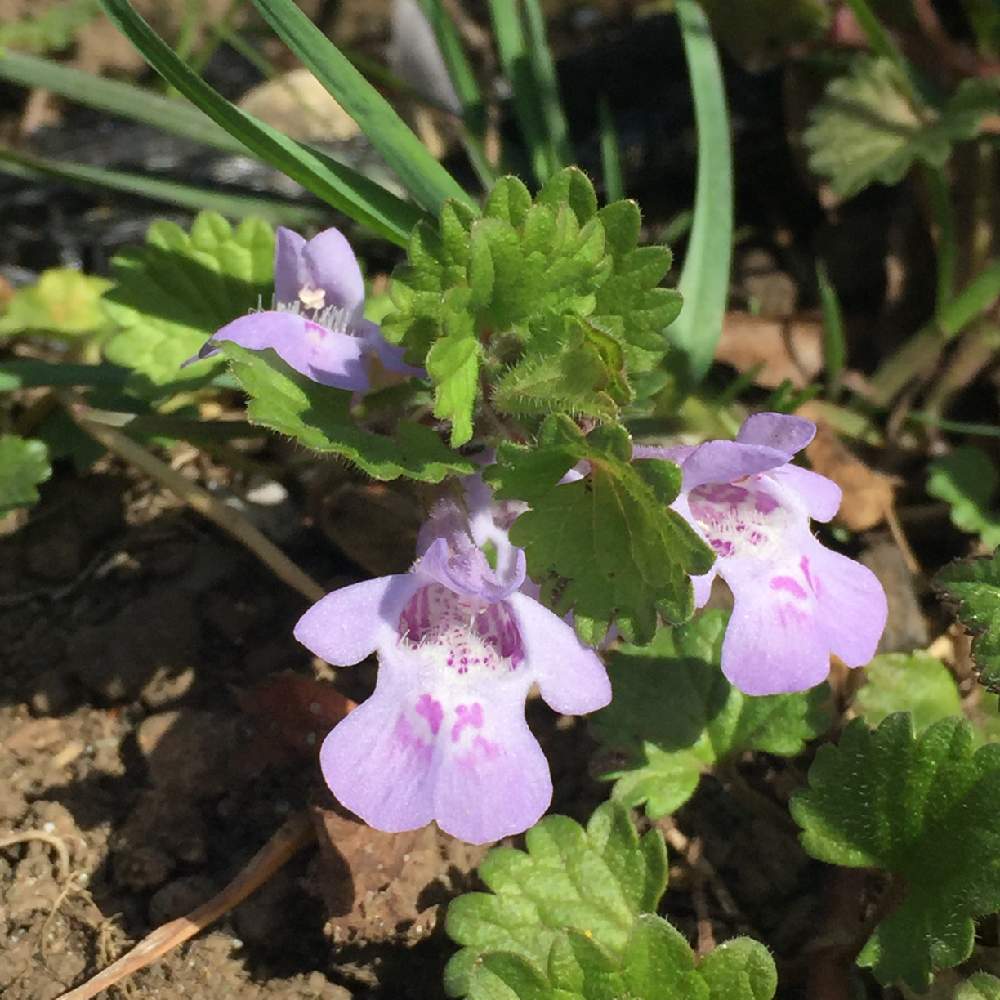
<point x="24" y="464"/>
<point x="974" y="584"/>
<point x="596" y="881"/>
<point x="174" y="292"/>
<point x="320" y="418"/>
<point x="922" y="808"/>
<point x="674" y="716"/>
<point x="635" y="564"/>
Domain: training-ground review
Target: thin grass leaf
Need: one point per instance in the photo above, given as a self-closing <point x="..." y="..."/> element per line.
<point x="834" y="341"/>
<point x="235" y="206"/>
<point x="976" y="297"/>
<point x="338" y="185"/>
<point x="426" y="180"/>
<point x="939" y="198"/>
<point x="117" y="98"/>
<point x="512" y="48"/>
<point x="463" y="79"/>
<point x="543" y="72"/>
<point x="704" y="281"/>
<point x="611" y="164"/>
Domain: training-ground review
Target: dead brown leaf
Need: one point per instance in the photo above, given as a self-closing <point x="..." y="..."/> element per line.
<point x="789" y="349"/>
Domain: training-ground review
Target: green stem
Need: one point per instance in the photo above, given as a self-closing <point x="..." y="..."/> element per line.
<point x="944" y="218"/>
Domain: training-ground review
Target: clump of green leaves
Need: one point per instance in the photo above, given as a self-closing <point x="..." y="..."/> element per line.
<point x="923" y="809"/>
<point x="173" y="293"/>
<point x="975" y="585"/>
<point x="870" y="127"/>
<point x="637" y="565"/>
<point x="966" y="479"/>
<point x="63" y="302"/>
<point x="674" y="716"/>
<point x="573" y="917"/>
<point x="24" y="465"/>
<point x="547" y="300"/>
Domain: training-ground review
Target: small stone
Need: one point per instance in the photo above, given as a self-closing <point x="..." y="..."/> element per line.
<point x="167" y="686"/>
<point x="52" y="695"/>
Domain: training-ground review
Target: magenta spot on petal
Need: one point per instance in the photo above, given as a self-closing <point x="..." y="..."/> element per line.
<point x="764" y="503"/>
<point x="408" y="740"/>
<point x="792" y="586"/>
<point x="790" y="616"/>
<point x="467" y="716"/>
<point x="432" y="711"/>
<point x="813" y="582"/>
<point x="486" y="749"/>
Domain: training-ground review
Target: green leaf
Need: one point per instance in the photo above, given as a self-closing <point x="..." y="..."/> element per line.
<point x="607" y="546"/>
<point x="704" y="281"/>
<point x="453" y="364"/>
<point x="967" y="481"/>
<point x="320" y="418"/>
<point x="49" y="30"/>
<point x="980" y="986"/>
<point x="924" y="809"/>
<point x="674" y="716"/>
<point x="657" y="963"/>
<point x="421" y="175"/>
<point x="595" y="880"/>
<point x="168" y="114"/>
<point x="237" y="206"/>
<point x="908" y="682"/>
<point x="173" y="293"/>
<point x="866" y="128"/>
<point x="24" y="463"/>
<point x="63" y="301"/>
<point x="974" y="584"/>
<point x="340" y="186"/>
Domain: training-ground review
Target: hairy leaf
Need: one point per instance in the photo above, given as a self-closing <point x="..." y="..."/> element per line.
<point x="596" y="881"/>
<point x="908" y="682"/>
<point x="867" y="129"/>
<point x="320" y="418"/>
<point x="974" y="585"/>
<point x="980" y="986"/>
<point x="967" y="481"/>
<point x="923" y="809"/>
<point x="606" y="546"/>
<point x="674" y="716"/>
<point x="24" y="463"/>
<point x="173" y="293"/>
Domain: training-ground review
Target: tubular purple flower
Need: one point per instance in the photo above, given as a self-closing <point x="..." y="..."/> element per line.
<point x="794" y="601"/>
<point x="459" y="644"/>
<point x="317" y="325"/>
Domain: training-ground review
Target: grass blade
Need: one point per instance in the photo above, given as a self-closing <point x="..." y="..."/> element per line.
<point x="117" y="98"/>
<point x="704" y="281"/>
<point x="235" y="206"/>
<point x="462" y="77"/>
<point x="543" y="72"/>
<point x="834" y="341"/>
<point x="426" y="180"/>
<point x="338" y="185"/>
<point x="611" y="164"/>
<point x="512" y="48"/>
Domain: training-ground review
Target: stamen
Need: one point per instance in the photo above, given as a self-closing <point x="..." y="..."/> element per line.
<point x="312" y="298"/>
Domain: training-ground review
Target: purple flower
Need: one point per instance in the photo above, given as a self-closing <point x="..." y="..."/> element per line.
<point x="794" y="601"/>
<point x="317" y="325"/>
<point x="459" y="643"/>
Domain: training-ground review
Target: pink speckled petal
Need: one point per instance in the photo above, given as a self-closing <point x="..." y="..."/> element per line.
<point x="331" y="265"/>
<point x="325" y="356"/>
<point x="702" y="585"/>
<point x="821" y="496"/>
<point x="290" y="273"/>
<point x="774" y="642"/>
<point x="494" y="779"/>
<point x="780" y="431"/>
<point x="852" y="604"/>
<point x="571" y="676"/>
<point x="347" y="625"/>
<point x="379" y="762"/>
